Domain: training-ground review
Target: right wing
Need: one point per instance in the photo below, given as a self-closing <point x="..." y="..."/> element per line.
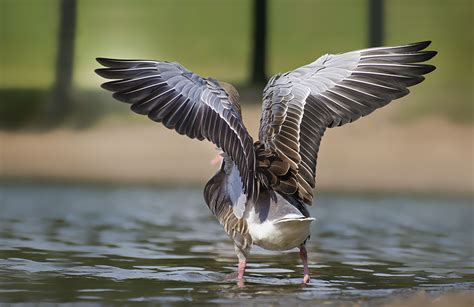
<point x="197" y="107"/>
<point x="333" y="90"/>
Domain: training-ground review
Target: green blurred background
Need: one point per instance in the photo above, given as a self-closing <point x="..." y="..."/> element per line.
<point x="214" y="38"/>
<point x="423" y="143"/>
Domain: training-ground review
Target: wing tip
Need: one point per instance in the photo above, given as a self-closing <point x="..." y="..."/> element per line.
<point x="119" y="96"/>
<point x="103" y="72"/>
<point x="106" y="86"/>
<point x="421" y="45"/>
<point x="429" y="68"/>
<point x="99" y="71"/>
<point x="431" y="54"/>
<point x="103" y="61"/>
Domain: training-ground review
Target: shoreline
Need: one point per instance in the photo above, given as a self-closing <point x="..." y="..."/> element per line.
<point x="375" y="154"/>
<point x="169" y="185"/>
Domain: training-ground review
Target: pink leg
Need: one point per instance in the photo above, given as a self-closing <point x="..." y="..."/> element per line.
<point x="242" y="264"/>
<point x="241" y="272"/>
<point x="304" y="259"/>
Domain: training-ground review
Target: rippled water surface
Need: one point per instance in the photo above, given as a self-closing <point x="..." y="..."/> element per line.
<point x="117" y="244"/>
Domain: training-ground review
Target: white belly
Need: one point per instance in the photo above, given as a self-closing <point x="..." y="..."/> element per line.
<point x="282" y="234"/>
<point x="275" y="224"/>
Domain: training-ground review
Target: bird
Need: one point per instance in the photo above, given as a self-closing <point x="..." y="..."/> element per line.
<point x="263" y="189"/>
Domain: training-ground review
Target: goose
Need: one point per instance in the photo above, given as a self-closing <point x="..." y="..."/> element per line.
<point x="262" y="190"/>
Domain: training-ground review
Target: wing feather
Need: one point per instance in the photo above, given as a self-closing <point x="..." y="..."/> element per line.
<point x="194" y="106"/>
<point x="332" y="91"/>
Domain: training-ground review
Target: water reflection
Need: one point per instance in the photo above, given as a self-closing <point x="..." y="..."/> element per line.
<point x="78" y="243"/>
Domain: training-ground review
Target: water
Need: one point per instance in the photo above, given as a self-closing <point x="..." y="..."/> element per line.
<point x="119" y="244"/>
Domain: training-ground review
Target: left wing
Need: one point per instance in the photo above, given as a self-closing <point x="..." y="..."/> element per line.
<point x="198" y="107"/>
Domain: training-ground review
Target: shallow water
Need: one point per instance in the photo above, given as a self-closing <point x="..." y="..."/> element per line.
<point x="117" y="244"/>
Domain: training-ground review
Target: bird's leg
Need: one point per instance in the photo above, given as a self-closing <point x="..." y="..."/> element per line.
<point x="241" y="268"/>
<point x="304" y="259"/>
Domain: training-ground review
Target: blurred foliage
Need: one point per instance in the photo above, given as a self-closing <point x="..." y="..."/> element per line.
<point x="28" y="43"/>
<point x="449" y="24"/>
<point x="20" y="106"/>
<point x="213" y="38"/>
<point x="208" y="36"/>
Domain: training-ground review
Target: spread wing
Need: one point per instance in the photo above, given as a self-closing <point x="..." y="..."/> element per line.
<point x="334" y="90"/>
<point x="197" y="107"/>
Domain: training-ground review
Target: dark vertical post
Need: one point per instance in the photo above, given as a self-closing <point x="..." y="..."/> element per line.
<point x="376" y="23"/>
<point x="60" y="104"/>
<point x="259" y="41"/>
